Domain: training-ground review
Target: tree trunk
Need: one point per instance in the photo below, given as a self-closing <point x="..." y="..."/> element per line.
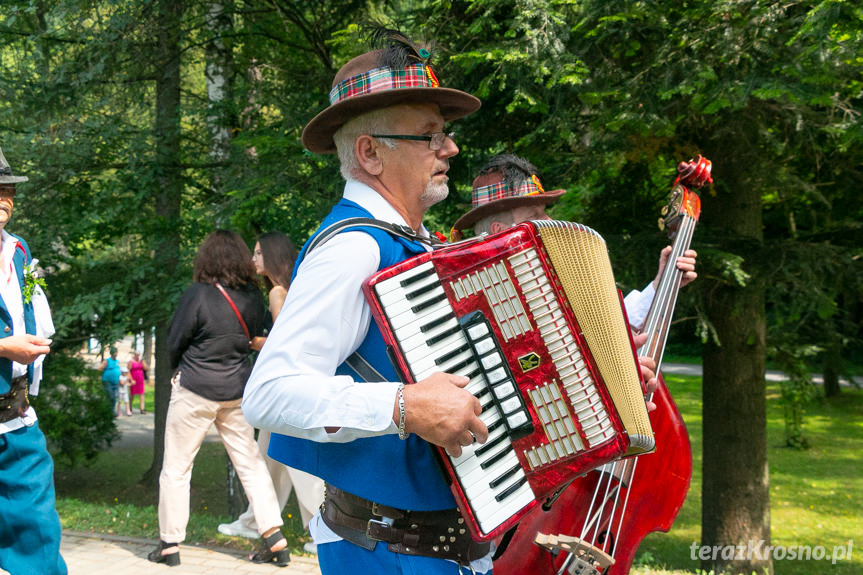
<point x="832" y="361"/>
<point x="168" y="194"/>
<point x="219" y="76"/>
<point x="735" y="493"/>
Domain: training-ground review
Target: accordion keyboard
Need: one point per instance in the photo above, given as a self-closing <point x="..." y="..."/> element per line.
<point x="432" y="339"/>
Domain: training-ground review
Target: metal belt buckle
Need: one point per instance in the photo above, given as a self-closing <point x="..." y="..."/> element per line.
<point x="375" y="523"/>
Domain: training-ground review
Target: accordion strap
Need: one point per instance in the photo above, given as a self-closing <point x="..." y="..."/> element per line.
<point x="355" y="361"/>
<point x="395" y="229"/>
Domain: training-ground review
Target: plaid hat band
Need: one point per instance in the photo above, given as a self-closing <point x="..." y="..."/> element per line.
<point x="382" y="79"/>
<point x="501" y="190"/>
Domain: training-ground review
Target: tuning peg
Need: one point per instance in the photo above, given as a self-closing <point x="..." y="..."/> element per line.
<point x="661" y="223"/>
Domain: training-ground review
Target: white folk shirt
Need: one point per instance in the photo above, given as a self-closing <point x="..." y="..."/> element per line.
<point x="293" y="388"/>
<point x="10" y="291"/>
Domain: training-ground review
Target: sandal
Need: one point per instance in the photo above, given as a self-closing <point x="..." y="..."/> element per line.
<point x="169" y="559"/>
<point x="266" y="555"/>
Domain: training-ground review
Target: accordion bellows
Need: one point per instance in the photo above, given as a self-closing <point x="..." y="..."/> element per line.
<point x="580" y="258"/>
<point x="533" y="318"/>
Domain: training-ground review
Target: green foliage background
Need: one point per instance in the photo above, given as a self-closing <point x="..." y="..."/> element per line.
<point x="605" y="96"/>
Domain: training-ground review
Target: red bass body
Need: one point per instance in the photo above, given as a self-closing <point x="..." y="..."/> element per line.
<point x="656" y="494"/>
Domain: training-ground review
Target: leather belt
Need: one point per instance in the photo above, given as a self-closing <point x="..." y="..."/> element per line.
<point x="442" y="534"/>
<point x="14" y="403"/>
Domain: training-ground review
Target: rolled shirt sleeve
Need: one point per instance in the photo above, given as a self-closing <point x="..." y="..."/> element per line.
<point x="637" y="304"/>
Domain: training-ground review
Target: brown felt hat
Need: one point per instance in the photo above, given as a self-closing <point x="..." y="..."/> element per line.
<point x="493" y="193"/>
<point x="363" y="85"/>
<point x="6" y="176"/>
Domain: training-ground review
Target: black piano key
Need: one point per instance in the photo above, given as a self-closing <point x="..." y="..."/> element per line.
<point x="487" y="404"/>
<point x="458" y="366"/>
<point x="421" y="290"/>
<point x="495" y="425"/>
<point x="416" y="278"/>
<point x="448" y="356"/>
<point x="428" y="303"/>
<point x="436" y="322"/>
<point x="511" y="489"/>
<point x="443" y="335"/>
<point x="496" y="457"/>
<point x="488" y="446"/>
<point x="506" y="475"/>
<point x="474" y="373"/>
<point x="480" y="395"/>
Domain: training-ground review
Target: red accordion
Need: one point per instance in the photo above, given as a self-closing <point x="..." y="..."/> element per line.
<point x="533" y="317"/>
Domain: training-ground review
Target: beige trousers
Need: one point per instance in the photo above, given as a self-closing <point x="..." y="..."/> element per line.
<point x="309" y="489"/>
<point x="189" y="419"/>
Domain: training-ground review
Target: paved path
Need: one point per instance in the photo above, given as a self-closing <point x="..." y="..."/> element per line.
<point x="96" y="554"/>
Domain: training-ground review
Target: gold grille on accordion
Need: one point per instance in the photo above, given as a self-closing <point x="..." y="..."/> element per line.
<point x="580" y="259"/>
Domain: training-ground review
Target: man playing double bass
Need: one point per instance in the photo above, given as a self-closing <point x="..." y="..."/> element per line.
<point x="506" y="192"/>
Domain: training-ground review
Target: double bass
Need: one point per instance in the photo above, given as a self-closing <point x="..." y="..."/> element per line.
<point x="596" y="523"/>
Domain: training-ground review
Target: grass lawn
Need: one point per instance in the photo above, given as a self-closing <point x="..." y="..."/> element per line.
<point x="816" y="494"/>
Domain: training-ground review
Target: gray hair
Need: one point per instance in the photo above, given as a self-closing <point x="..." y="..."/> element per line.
<point x="483" y="226"/>
<point x="344" y="138"/>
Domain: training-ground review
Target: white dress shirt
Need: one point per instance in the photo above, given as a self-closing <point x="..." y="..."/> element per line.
<point x="637" y="304"/>
<point x="293" y="388"/>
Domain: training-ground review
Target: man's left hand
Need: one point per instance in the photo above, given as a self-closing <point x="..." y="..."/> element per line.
<point x="648" y="372"/>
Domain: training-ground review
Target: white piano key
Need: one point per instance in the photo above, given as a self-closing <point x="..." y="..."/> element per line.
<point x="408" y="316"/>
<point x="420" y="353"/>
<point x="394" y="283"/>
<point x="402" y="305"/>
<point x="503" y="511"/>
<point x="420" y="339"/>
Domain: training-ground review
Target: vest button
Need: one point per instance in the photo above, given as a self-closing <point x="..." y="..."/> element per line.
<point x="7" y="329"/>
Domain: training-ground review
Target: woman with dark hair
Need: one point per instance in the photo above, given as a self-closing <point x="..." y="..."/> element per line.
<point x="210" y="340"/>
<point x="274" y="258"/>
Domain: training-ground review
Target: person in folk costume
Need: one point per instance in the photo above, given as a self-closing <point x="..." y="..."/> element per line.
<point x="508" y="191"/>
<point x="369" y="437"/>
<point x="29" y="524"/>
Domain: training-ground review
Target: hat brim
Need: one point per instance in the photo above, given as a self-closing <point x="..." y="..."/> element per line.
<point x="13" y="179"/>
<point x="318" y="133"/>
<point x="476" y="214"/>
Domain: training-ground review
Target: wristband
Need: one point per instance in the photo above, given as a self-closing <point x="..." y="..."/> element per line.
<point x="401" y="396"/>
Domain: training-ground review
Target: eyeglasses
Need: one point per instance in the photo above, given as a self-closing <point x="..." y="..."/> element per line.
<point x="436" y="139"/>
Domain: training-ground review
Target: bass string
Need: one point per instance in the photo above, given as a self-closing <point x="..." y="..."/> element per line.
<point x="669" y="286"/>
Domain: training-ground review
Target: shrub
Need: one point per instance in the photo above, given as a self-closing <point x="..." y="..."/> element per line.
<point x="74" y="413"/>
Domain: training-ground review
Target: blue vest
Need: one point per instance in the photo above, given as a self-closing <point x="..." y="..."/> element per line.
<point x="20" y="259"/>
<point x="385" y="469"/>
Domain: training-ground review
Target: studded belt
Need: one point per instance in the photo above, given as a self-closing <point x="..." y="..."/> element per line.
<point x="441" y="534"/>
<point x="14" y="403"/>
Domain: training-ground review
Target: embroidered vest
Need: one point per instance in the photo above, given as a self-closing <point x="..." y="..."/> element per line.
<point x="384" y="469"/>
